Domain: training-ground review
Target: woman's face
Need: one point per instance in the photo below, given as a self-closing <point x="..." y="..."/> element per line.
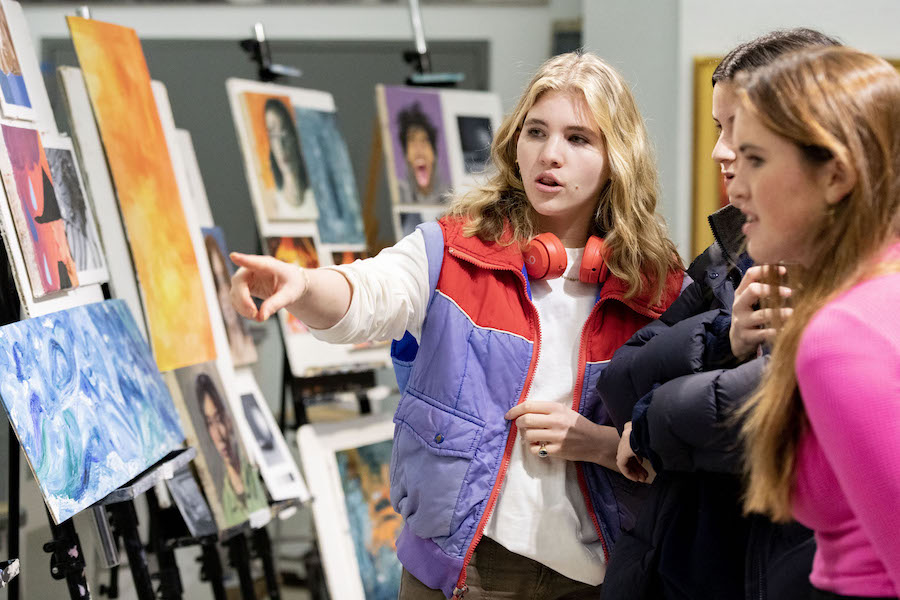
<point x="277" y="130"/>
<point x="420" y="156"/>
<point x="725" y="102"/>
<point x="782" y="195"/>
<point x="562" y="158"/>
<point x="215" y="423"/>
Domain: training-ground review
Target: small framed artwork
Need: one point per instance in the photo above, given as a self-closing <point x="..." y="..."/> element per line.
<point x="347" y="468"/>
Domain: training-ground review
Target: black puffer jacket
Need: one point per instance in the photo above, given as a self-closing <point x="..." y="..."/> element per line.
<point x="679" y="384"/>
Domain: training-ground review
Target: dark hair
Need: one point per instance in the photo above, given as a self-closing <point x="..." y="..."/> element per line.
<point x="413" y="117"/>
<point x="766" y="48"/>
<point x="293" y="141"/>
<point x="204" y="386"/>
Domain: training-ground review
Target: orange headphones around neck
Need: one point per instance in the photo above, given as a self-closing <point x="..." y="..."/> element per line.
<point x="545" y="258"/>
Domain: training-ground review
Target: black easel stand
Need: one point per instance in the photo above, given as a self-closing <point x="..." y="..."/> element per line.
<point x="262" y="549"/>
<point x="239" y="559"/>
<point x="123" y="516"/>
<point x="170" y="587"/>
<point x="14" y="508"/>
<point x="260" y="53"/>
<point x="420" y="59"/>
<point x="211" y="568"/>
<point x="67" y="558"/>
<point x="125" y="526"/>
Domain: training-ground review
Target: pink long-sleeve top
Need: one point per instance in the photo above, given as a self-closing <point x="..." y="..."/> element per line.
<point x="848" y="463"/>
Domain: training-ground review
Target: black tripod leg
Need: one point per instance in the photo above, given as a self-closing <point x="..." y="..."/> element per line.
<point x="239" y="557"/>
<point x="262" y="546"/>
<point x="125" y="524"/>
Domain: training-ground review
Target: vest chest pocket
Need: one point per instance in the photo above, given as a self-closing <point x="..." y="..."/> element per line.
<point x="433" y="448"/>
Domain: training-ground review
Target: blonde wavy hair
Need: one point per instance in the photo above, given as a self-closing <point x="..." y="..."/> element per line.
<point x="640" y="251"/>
<point x="839" y="104"/>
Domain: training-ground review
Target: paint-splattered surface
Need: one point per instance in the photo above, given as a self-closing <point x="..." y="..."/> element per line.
<point x="87" y="402"/>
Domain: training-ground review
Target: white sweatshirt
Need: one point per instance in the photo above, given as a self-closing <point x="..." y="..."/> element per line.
<point x="541" y="513"/>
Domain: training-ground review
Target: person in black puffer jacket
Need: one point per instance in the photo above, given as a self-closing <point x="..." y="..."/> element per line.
<point x="671" y="391"/>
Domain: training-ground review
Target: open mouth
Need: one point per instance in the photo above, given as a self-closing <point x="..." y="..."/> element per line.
<point x="548" y="181"/>
<point x="423" y="174"/>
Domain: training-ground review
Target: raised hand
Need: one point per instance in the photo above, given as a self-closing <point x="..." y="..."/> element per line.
<point x="750" y="325"/>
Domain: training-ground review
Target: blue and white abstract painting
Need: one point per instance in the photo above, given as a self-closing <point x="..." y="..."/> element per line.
<point x="87" y="402"/>
<point x="331" y="175"/>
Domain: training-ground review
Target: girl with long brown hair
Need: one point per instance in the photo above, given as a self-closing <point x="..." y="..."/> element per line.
<point x="818" y="178"/>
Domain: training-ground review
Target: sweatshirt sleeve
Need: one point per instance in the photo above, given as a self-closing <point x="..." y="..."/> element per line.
<point x="390" y="295"/>
<point x="848" y="371"/>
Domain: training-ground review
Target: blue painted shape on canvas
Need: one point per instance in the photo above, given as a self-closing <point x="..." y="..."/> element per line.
<point x="87" y="402"/>
<point x="13" y="89"/>
<point x="331" y="175"/>
<point x="374" y="525"/>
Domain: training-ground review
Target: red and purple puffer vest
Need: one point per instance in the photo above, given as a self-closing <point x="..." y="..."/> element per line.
<point x="477" y="354"/>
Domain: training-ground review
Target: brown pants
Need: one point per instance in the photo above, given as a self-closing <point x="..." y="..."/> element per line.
<point x="495" y="573"/>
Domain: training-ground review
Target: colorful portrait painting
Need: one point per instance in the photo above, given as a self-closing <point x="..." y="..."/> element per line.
<point x="230" y="480"/>
<point x="14" y="100"/>
<point x="243" y="350"/>
<point x="300" y="251"/>
<point x="374" y="525"/>
<point x="281" y="174"/>
<point x="77" y="214"/>
<point x="37" y="213"/>
<point x="331" y="176"/>
<point x="118" y="83"/>
<point x="421" y="166"/>
<point x="86" y="401"/>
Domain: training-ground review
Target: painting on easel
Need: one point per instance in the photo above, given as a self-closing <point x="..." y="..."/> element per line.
<point x="86" y="400"/>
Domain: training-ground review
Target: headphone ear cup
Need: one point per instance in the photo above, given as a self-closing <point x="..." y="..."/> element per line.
<point x="545" y="257"/>
<point x="593" y="263"/>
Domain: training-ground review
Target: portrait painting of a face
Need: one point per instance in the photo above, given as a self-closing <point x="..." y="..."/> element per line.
<point x="37" y="213"/>
<point x="229" y="479"/>
<point x="14" y="100"/>
<point x="77" y="214"/>
<point x="419" y="147"/>
<point x="475" y="136"/>
<point x="243" y="350"/>
<point x="280" y="168"/>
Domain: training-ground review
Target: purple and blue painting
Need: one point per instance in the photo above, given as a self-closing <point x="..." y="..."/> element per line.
<point x="87" y="402"/>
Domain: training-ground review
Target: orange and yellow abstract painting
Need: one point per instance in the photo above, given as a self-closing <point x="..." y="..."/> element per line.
<point x="118" y="83"/>
<point x="38" y="219"/>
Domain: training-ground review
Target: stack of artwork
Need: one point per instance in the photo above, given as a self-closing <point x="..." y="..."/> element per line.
<point x="86" y="401"/>
<point x="46" y="217"/>
<point x="348" y="464"/>
<point x="436" y="143"/>
<point x="304" y="196"/>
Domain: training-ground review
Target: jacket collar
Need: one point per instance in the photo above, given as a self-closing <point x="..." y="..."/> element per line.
<point x="505" y="255"/>
<point x="726" y="226"/>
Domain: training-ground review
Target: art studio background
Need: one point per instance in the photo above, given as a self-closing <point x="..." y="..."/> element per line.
<point x="345" y="51"/>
